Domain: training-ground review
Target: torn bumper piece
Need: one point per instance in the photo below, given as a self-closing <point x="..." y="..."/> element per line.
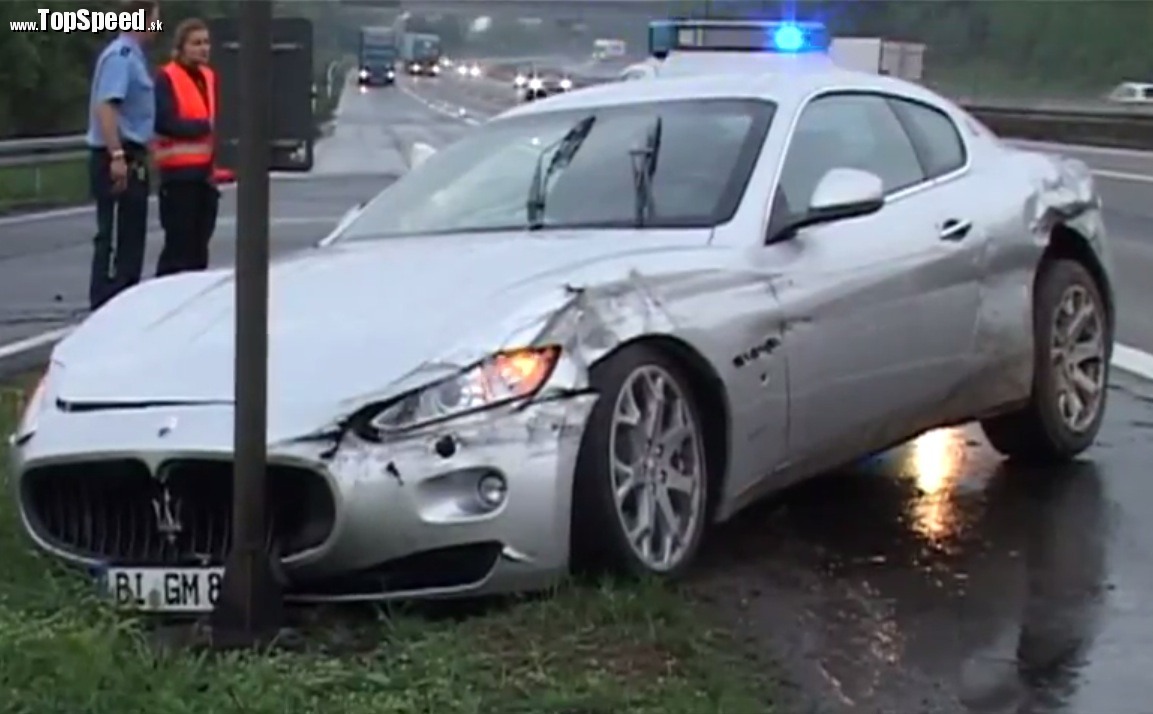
<point x="474" y="506"/>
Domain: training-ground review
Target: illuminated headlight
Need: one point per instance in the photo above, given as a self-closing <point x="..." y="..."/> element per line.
<point x="364" y="74"/>
<point x="391" y="74"/>
<point x="415" y="68"/>
<point x="501" y="379"/>
<point x="535" y="83"/>
<point x="566" y="84"/>
<point x="462" y="70"/>
<point x="474" y="71"/>
<point x="436" y="69"/>
<point x="37" y="402"/>
<point x="519" y="80"/>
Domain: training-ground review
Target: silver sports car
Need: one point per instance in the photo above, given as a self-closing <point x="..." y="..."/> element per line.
<point x="583" y="334"/>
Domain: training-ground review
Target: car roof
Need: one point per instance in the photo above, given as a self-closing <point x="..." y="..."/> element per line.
<point x="786" y="85"/>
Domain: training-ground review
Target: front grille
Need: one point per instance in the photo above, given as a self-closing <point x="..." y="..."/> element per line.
<point x="114" y="510"/>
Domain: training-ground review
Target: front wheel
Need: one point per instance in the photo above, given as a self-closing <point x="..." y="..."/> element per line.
<point x="641" y="491"/>
<point x="1073" y="343"/>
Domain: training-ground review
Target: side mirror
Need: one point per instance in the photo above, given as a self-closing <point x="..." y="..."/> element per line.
<point x="840" y="194"/>
<point x="348" y="217"/>
<point x="419" y="153"/>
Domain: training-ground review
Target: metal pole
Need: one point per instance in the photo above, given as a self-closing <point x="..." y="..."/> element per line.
<point x="250" y="608"/>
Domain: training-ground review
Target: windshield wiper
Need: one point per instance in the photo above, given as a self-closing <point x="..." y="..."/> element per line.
<point x="564" y="149"/>
<point x="644" y="167"/>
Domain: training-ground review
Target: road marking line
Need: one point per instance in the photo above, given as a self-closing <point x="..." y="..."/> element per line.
<point x="27" y="345"/>
<point x="1082" y="148"/>
<point x="1122" y="176"/>
<point x="444" y="111"/>
<point x="81" y="210"/>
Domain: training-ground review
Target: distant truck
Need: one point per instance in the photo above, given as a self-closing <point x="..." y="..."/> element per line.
<point x="904" y="60"/>
<point x="420" y="52"/>
<point x="377" y="56"/>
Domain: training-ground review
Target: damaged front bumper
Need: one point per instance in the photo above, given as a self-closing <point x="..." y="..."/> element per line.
<point x="474" y="506"/>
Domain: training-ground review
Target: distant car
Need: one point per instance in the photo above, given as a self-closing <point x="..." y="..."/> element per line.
<point x="1132" y="93"/>
<point x="470" y="70"/>
<point x="629" y="312"/>
<point x="538" y="85"/>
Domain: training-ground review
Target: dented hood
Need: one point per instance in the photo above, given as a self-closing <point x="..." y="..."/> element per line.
<point x="344" y="321"/>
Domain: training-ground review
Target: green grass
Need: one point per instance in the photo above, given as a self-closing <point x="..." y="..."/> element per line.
<point x="613" y="649"/>
<point x="43" y="185"/>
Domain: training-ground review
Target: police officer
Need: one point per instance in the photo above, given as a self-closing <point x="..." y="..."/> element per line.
<point x="185" y="150"/>
<point x="121" y="116"/>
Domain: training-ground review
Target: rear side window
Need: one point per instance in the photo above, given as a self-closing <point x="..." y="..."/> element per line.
<point x="935" y="137"/>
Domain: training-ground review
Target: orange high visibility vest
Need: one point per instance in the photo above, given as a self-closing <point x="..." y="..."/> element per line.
<point x="173" y="153"/>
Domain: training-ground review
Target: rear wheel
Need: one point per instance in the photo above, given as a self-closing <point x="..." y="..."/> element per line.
<point x="640" y="497"/>
<point x="1072" y="346"/>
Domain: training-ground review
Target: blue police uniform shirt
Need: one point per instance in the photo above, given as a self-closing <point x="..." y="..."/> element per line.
<point x="122" y="75"/>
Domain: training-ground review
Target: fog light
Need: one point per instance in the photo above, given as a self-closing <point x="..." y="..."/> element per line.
<point x="492" y="490"/>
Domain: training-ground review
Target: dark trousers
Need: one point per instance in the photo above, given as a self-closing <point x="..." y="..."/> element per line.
<point x="188" y="215"/>
<point x="121" y="225"/>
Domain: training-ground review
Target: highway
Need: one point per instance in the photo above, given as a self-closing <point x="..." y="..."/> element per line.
<point x="929" y="578"/>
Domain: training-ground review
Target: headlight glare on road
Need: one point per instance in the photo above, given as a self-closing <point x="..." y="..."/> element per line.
<point x="503" y="378"/>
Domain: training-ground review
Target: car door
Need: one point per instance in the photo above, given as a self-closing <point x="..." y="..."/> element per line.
<point x="952" y="268"/>
<point x="865" y="357"/>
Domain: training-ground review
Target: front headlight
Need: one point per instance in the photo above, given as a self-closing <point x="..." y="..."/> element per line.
<point x="566" y="84"/>
<point x="519" y="81"/>
<point x="503" y="378"/>
<point x="535" y="84"/>
<point x="30" y="419"/>
<point x="474" y="71"/>
<point x="364" y="74"/>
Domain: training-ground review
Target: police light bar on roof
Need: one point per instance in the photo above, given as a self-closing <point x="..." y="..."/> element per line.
<point x="778" y="37"/>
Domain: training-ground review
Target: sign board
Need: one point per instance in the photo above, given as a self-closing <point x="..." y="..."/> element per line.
<point x="293" y="127"/>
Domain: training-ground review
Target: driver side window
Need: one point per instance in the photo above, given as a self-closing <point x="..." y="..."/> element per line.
<point x="851" y="131"/>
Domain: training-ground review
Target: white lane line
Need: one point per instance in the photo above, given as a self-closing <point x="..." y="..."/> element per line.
<point x="1122" y="176"/>
<point x="1081" y="148"/>
<point x="460" y="114"/>
<point x="1132" y="360"/>
<point x="35" y="342"/>
<point x="82" y="210"/>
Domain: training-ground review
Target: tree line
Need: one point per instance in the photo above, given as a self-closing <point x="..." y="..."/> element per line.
<point x="1055" y="46"/>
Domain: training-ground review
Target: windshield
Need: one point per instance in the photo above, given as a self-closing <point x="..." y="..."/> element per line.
<point x="491" y="180"/>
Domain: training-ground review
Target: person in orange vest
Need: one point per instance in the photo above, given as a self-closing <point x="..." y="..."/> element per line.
<point x="184" y="151"/>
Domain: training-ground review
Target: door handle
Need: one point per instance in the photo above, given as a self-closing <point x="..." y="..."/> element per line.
<point x="955" y="229"/>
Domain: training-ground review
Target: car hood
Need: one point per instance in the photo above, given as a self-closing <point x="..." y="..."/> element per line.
<point x="349" y="320"/>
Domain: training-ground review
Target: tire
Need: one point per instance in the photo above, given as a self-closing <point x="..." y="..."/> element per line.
<point x="599" y="540"/>
<point x="1042" y="431"/>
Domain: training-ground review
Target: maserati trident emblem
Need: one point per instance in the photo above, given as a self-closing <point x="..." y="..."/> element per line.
<point x="167" y="427"/>
<point x="167" y="511"/>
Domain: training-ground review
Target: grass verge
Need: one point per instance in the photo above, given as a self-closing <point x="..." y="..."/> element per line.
<point x="608" y="650"/>
<point x="43" y="185"/>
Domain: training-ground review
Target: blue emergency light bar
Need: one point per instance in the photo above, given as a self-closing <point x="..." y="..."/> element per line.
<point x="776" y="37"/>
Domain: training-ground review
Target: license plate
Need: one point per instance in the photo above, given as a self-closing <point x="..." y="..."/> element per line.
<point x="164" y="589"/>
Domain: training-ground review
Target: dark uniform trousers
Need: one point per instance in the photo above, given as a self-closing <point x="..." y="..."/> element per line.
<point x="188" y="215"/>
<point x="121" y="224"/>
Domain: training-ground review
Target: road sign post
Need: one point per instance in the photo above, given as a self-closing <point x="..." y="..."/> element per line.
<point x="250" y="608"/>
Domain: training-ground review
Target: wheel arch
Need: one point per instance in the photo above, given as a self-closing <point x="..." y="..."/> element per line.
<point x="709" y="395"/>
<point x="1067" y="243"/>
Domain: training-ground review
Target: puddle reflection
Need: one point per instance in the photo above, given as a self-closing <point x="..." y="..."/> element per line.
<point x="934" y="463"/>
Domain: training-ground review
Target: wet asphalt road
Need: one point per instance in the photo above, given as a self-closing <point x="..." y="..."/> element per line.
<point x="933" y="579"/>
<point x="939" y="578"/>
